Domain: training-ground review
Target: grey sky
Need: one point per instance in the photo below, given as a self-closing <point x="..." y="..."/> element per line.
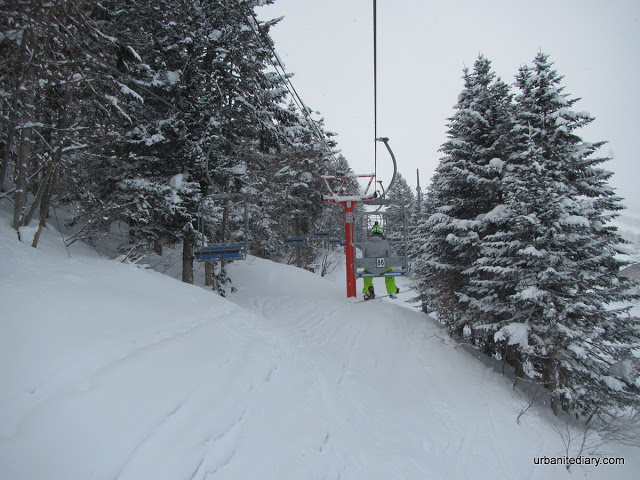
<point x="423" y="47"/>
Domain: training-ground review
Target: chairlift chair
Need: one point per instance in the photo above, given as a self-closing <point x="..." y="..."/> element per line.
<point x="296" y="241"/>
<point x="396" y="265"/>
<point x="222" y="251"/>
<point x="298" y="217"/>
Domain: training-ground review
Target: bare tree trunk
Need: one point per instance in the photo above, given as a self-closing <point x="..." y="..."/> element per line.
<point x="6" y="154"/>
<point x="209" y="267"/>
<point x="187" y="254"/>
<point x="51" y="168"/>
<point x="45" y="204"/>
<point x="44" y="185"/>
<point x="25" y="146"/>
<point x="551" y="382"/>
<point x="22" y="172"/>
<point x="208" y="274"/>
<point x="4" y="168"/>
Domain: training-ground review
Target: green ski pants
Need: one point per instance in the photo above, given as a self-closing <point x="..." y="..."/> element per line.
<point x="389" y="282"/>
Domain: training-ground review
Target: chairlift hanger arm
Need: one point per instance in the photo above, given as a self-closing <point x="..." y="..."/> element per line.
<point x="385" y="140"/>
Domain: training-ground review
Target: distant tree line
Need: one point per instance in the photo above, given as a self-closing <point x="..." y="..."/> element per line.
<point x="515" y="252"/>
<point x="134" y="111"/>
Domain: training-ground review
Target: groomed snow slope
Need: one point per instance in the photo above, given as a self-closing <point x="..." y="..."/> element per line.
<point x="110" y="371"/>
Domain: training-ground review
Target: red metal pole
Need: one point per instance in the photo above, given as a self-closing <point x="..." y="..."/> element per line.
<point x="348" y="241"/>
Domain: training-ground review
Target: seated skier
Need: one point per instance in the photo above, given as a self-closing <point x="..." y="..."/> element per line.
<point x="377" y="247"/>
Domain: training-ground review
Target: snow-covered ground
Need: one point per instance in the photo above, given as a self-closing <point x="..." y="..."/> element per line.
<point x="112" y="371"/>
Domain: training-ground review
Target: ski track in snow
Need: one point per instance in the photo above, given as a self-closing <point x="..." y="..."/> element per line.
<point x="324" y="335"/>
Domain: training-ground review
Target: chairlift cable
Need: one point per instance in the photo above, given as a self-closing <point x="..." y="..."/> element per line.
<point x="275" y="60"/>
<point x="375" y="109"/>
<point x="375" y="91"/>
<point x="281" y="71"/>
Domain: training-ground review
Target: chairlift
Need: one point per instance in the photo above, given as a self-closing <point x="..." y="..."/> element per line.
<point x="298" y="225"/>
<point x="397" y="235"/>
<point x="296" y="241"/>
<point x="222" y="251"/>
<point x="338" y="194"/>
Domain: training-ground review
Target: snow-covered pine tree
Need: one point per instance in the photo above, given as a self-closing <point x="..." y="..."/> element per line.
<point x="252" y="133"/>
<point x="551" y="281"/>
<point x="465" y="187"/>
<point x="139" y="180"/>
<point x="403" y="195"/>
<point x="201" y="97"/>
<point x="55" y="87"/>
<point x="285" y="177"/>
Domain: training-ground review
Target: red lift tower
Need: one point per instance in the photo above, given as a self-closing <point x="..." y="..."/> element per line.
<point x="348" y="202"/>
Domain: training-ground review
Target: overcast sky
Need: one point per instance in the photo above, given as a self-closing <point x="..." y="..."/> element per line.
<point x="423" y="47"/>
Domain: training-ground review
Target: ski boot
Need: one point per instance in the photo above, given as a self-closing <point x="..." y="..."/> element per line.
<point x="371" y="295"/>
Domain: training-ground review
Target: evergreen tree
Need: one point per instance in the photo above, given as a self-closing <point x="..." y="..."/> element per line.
<point x="547" y="281"/>
<point x="294" y="198"/>
<point x="404" y="201"/>
<point x="56" y="87"/>
<point x="465" y="187"/>
<point x="204" y="109"/>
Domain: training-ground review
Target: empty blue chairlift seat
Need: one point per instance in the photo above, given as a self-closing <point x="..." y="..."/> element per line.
<point x="296" y="240"/>
<point x="221" y="252"/>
